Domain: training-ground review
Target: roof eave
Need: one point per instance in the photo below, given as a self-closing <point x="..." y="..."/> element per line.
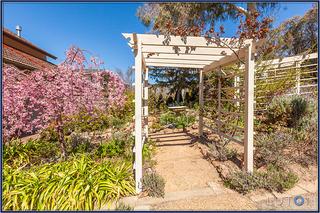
<point x="29" y="44"/>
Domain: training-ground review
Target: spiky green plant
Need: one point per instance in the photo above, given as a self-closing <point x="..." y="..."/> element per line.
<point x="77" y="184"/>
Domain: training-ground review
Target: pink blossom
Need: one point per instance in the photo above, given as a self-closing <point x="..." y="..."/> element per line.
<point x="33" y="101"/>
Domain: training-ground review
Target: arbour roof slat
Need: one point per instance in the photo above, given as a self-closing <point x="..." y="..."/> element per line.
<point x="225" y="60"/>
<point x="177" y="61"/>
<point x="175" y="65"/>
<point x="235" y="56"/>
<point x="186" y="50"/>
<point x="183" y="57"/>
<point x="176" y="51"/>
<point x="152" y="39"/>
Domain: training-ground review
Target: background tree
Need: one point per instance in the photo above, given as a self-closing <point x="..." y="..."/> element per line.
<point x="127" y="76"/>
<point x="297" y="35"/>
<point x="197" y="19"/>
<point x="176" y="79"/>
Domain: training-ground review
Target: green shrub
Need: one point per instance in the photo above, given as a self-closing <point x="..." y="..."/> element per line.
<point x="49" y="134"/>
<point x="299" y="107"/>
<point x="163" y="107"/>
<point x="270" y="148"/>
<point x="79" y="143"/>
<point x="156" y="126"/>
<point x="153" y="184"/>
<point x="167" y="118"/>
<point x="221" y="152"/>
<point x="184" y="121"/>
<point x="80" y="123"/>
<point x="195" y="106"/>
<point x="117" y="122"/>
<point x="277" y="179"/>
<point x="127" y="111"/>
<point x="120" y="145"/>
<point x="148" y="150"/>
<point x="300" y="135"/>
<point x="274" y="179"/>
<point x="289" y="110"/>
<point x="85" y="122"/>
<point x="306" y="140"/>
<point x="179" y="121"/>
<point x="278" y="111"/>
<point x="77" y="184"/>
<point x="244" y="182"/>
<point x="111" y="148"/>
<point x="265" y="128"/>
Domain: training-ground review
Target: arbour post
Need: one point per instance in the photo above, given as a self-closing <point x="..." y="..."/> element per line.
<point x="145" y="102"/>
<point x="200" y="103"/>
<point x="138" y="118"/>
<point x="249" y="109"/>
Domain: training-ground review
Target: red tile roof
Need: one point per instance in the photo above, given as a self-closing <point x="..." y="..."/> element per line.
<point x="15" y="56"/>
<point x="26" y="42"/>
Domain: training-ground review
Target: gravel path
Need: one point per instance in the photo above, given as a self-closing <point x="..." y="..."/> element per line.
<point x="217" y="202"/>
<point x="180" y="163"/>
<point x="192" y="183"/>
<point x="182" y="166"/>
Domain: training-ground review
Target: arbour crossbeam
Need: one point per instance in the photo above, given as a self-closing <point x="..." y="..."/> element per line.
<point x="187" y="52"/>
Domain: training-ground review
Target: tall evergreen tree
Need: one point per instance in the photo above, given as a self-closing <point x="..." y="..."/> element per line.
<point x="176" y="79"/>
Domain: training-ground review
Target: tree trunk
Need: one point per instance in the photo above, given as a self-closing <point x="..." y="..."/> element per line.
<point x="62" y="143"/>
<point x="61" y="140"/>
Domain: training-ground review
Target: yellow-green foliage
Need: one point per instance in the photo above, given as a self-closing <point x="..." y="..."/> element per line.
<point x="77" y="184"/>
<point x="33" y="152"/>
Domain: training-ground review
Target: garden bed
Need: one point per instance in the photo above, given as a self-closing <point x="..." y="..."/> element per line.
<point x="285" y="149"/>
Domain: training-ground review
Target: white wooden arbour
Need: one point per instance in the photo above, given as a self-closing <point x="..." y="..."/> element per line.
<point x="190" y="52"/>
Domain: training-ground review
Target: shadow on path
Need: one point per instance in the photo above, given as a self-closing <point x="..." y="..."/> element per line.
<point x="180" y="162"/>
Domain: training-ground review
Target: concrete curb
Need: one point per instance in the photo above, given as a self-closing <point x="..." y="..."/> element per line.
<point x="145" y="203"/>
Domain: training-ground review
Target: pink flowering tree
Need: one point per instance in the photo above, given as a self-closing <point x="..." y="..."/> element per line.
<point x="32" y="101"/>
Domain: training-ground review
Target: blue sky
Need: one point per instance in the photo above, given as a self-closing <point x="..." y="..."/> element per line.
<point x="96" y="27"/>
